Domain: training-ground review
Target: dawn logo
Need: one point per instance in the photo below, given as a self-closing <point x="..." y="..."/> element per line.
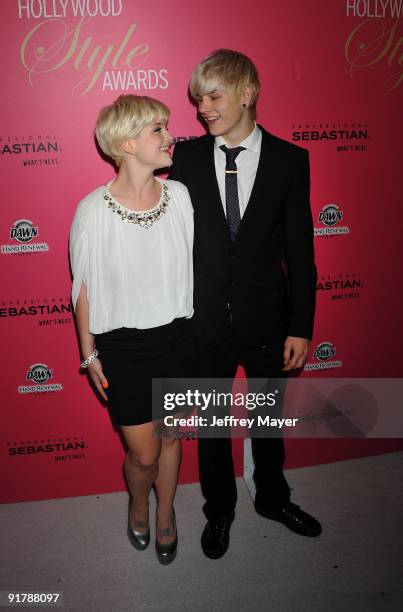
<point x="324" y="354"/>
<point x="330" y="216"/>
<point x="24" y="232"/>
<point x="324" y="351"/>
<point x="39" y="374"/>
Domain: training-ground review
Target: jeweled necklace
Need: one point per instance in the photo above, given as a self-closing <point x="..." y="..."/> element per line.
<point x="145" y="219"/>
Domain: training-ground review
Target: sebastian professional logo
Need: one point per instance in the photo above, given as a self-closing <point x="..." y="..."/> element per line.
<point x="39" y="374"/>
<point x="17" y="148"/>
<point x="324" y="355"/>
<point x="45" y="312"/>
<point x="330" y="217"/>
<point x="351" y="137"/>
<point x="24" y="232"/>
<point x="340" y="286"/>
<point x="38" y="150"/>
<point x="59" y="449"/>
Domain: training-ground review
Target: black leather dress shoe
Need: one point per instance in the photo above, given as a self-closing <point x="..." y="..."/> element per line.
<point x="215" y="537"/>
<point x="294" y="518"/>
<point x="166" y="553"/>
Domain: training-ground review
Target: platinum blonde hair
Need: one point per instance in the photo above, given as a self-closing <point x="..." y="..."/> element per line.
<point x="124" y="119"/>
<point x="225" y="70"/>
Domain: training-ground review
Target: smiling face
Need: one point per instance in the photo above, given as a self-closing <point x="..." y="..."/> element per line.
<point x="151" y="147"/>
<point x="225" y="115"/>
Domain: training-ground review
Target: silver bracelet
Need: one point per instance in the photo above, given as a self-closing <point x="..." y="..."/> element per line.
<point x="89" y="359"/>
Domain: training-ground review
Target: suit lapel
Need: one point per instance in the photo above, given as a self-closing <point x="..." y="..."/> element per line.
<point x="265" y="180"/>
<point x="206" y="194"/>
<point x="207" y="190"/>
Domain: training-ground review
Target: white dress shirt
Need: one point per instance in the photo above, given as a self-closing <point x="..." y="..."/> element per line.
<point x="135" y="277"/>
<point x="247" y="162"/>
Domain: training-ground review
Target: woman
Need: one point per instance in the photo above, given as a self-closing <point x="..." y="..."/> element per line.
<point x="131" y="257"/>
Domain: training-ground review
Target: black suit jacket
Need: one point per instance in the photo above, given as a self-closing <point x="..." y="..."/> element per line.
<point x="267" y="274"/>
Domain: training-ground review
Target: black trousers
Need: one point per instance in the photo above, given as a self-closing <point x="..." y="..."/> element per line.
<point x="220" y="359"/>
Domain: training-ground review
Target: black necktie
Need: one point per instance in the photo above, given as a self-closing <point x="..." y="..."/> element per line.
<point x="231" y="189"/>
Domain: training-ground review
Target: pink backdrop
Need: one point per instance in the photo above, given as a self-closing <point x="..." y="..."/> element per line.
<point x="331" y="74"/>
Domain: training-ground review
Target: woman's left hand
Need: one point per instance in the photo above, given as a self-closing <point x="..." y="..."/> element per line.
<point x="97" y="376"/>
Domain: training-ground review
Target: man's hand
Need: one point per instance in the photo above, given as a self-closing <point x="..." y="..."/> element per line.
<point x="295" y="353"/>
<point x="97" y="376"/>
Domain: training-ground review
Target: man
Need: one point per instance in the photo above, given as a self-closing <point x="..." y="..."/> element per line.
<point x="254" y="274"/>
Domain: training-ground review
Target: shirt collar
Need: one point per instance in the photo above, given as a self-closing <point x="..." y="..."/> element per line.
<point x="251" y="142"/>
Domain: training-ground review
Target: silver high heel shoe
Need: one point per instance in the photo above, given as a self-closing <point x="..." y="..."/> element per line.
<point x="166" y="553"/>
<point x="139" y="539"/>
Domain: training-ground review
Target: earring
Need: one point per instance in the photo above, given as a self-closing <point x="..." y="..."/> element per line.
<point x="244" y="106"/>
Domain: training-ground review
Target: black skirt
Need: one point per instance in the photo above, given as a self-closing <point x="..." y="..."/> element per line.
<point x="131" y="358"/>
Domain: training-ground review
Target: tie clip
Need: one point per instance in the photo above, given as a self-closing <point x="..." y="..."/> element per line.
<point x="231" y="172"/>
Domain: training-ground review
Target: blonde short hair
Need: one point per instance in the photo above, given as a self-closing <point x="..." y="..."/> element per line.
<point x="225" y="69"/>
<point x="124" y="120"/>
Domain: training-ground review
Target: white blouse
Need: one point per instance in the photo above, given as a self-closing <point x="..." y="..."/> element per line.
<point x="137" y="266"/>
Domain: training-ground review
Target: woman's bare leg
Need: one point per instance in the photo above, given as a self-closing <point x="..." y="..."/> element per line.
<point x="165" y="484"/>
<point x="141" y="469"/>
